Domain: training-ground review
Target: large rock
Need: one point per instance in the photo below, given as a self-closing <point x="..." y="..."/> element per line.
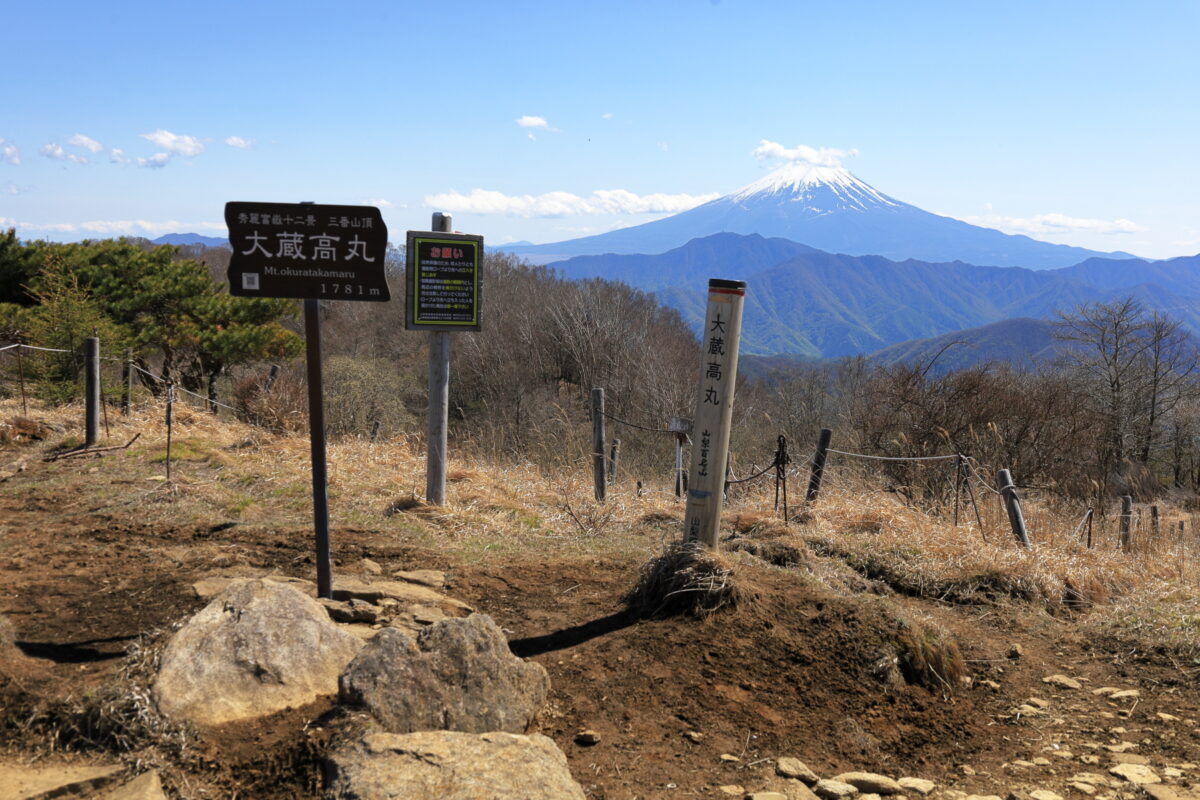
<point x="257" y="648"/>
<point x="458" y="675"/>
<point x="450" y="766"/>
<point x="870" y="782"/>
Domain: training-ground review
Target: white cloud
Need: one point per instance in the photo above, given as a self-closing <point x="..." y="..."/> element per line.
<point x="175" y="143"/>
<point x="13" y="189"/>
<point x="606" y="115"/>
<point x="1054" y="223"/>
<point x="532" y="122"/>
<point x="124" y="227"/>
<point x="86" y="142"/>
<point x="9" y="152"/>
<point x="237" y="141"/>
<point x="379" y="202"/>
<point x="817" y="156"/>
<point x="57" y="152"/>
<point x="156" y="161"/>
<point x="565" y="204"/>
<point x="117" y="156"/>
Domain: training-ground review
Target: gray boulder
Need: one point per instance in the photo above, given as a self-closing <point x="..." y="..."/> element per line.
<point x="257" y="648"/>
<point x="458" y="675"/>
<point x="450" y="766"/>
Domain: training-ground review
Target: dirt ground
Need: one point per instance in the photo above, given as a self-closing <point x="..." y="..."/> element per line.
<point x="681" y="706"/>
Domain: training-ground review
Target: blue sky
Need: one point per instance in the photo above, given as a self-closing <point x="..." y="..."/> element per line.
<point x="1075" y="122"/>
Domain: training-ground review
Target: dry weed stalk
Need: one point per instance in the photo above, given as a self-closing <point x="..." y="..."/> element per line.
<point x="688" y="579"/>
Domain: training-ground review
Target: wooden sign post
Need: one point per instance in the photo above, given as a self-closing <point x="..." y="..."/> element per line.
<point x="309" y="251"/>
<point x="719" y="341"/>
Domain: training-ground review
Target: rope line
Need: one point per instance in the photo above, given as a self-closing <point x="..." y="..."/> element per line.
<point x="893" y="458"/>
<point x="45" y="349"/>
<point x="635" y="425"/>
<point x="764" y="471"/>
<point x="9" y="347"/>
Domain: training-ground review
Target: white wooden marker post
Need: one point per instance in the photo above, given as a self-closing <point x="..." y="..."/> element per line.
<point x="714" y="410"/>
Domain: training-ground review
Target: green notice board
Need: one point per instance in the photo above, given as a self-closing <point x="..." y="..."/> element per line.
<point x="444" y="272"/>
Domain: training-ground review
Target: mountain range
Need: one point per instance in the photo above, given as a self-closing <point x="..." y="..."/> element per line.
<point x="803" y="301"/>
<point x="830" y="209"/>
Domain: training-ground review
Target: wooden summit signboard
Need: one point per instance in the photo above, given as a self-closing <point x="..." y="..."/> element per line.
<point x="308" y="251"/>
<point x="443" y="274"/>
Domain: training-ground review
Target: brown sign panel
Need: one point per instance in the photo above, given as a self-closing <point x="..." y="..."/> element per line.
<point x="444" y="272"/>
<point x="307" y="251"/>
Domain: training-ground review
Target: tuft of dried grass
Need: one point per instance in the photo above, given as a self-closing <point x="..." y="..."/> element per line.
<point x="930" y="658"/>
<point x="686" y="579"/>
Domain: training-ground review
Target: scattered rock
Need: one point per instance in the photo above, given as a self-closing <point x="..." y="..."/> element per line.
<point x="1016" y="651"/>
<point x="1106" y="690"/>
<point x="450" y="765"/>
<point x="983" y="797"/>
<point x="257" y="648"/>
<point x="1120" y="748"/>
<point x="1135" y="773"/>
<point x="1038" y="702"/>
<point x="1160" y="792"/>
<point x="1063" y="681"/>
<point x="1126" y="694"/>
<point x="351" y="610"/>
<point x="1027" y="710"/>
<point x="371" y="567"/>
<point x="967" y="769"/>
<point x="766" y="796"/>
<point x="587" y="738"/>
<point x="1041" y="761"/>
<point x="1083" y="788"/>
<point x="147" y="786"/>
<point x="995" y="687"/>
<point x="918" y="785"/>
<point x="729" y="757"/>
<point x="1129" y="758"/>
<point x="1045" y="794"/>
<point x="55" y="780"/>
<point x="1165" y="717"/>
<point x="1090" y="760"/>
<point x="457" y="675"/>
<point x="795" y="768"/>
<point x="870" y="782"/>
<point x="833" y="789"/>
<point x="434" y="579"/>
<point x="401" y="591"/>
<point x="426" y="615"/>
<point x="695" y="736"/>
<point x="731" y="789"/>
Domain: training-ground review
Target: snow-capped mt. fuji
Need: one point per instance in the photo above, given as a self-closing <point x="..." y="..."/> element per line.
<point x="828" y="208"/>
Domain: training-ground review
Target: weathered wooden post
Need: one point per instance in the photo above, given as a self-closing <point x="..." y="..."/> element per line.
<point x="720" y="338"/>
<point x="680" y="427"/>
<point x="127" y="380"/>
<point x="818" y="466"/>
<point x="1008" y="492"/>
<point x="91" y="390"/>
<point x="374" y="430"/>
<point x="1126" y="522"/>
<point x="613" y="455"/>
<point x="21" y="373"/>
<point x="598" y="444"/>
<point x="170" y="423"/>
<point x="1088" y="519"/>
<point x="1154" y="522"/>
<point x="272" y="376"/>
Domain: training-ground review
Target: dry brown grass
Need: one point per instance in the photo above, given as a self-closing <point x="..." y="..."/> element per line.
<point x="687" y="579"/>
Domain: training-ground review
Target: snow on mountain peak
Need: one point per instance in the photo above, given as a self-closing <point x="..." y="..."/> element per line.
<point x="797" y="180"/>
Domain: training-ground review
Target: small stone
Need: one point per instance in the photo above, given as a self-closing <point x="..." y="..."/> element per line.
<point x="426" y="615"/>
<point x="1020" y="762"/>
<point x="729" y="757"/>
<point x="1042" y="761"/>
<point x="870" y="782"/>
<point x="1045" y="794"/>
<point x="766" y="796"/>
<point x="795" y="768"/>
<point x="731" y="789"/>
<point x="434" y="579"/>
<point x="1083" y="788"/>
<point x="1063" y="681"/>
<point x="1135" y="773"/>
<point x="695" y="736"/>
<point x="1016" y="651"/>
<point x="587" y="738"/>
<point x="1129" y="758"/>
<point x="371" y="567"/>
<point x="1039" y="702"/>
<point x="1127" y="694"/>
<point x="1120" y="748"/>
<point x="995" y="687"/>
<point x="1090" y="760"/>
<point x="1171" y="772"/>
<point x="1065" y="755"/>
<point x="1027" y="710"/>
<point x="1165" y="717"/>
<point x="984" y="797"/>
<point x="966" y="769"/>
<point x="918" y="785"/>
<point x="834" y="790"/>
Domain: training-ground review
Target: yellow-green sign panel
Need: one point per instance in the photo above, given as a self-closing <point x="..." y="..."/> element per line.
<point x="444" y="281"/>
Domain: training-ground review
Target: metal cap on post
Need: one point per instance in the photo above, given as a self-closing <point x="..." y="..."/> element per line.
<point x="439" y="398"/>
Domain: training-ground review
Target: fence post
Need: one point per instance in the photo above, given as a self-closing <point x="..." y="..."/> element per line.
<point x="438" y="420"/>
<point x="1090" y="515"/>
<point x="613" y="455"/>
<point x="170" y="423"/>
<point x="91" y="390"/>
<point x="818" y="465"/>
<point x="127" y="376"/>
<point x="1154" y="522"/>
<point x="598" y="443"/>
<point x="679" y="464"/>
<point x="271" y="376"/>
<point x="374" y="430"/>
<point x="958" y="463"/>
<point x="1008" y="491"/>
<point x="21" y="373"/>
<point x="1126" y="522"/>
